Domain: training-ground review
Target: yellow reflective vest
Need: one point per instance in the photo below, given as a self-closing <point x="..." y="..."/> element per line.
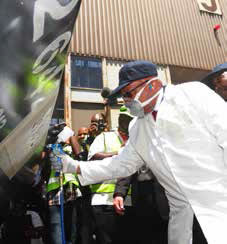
<point x="54" y="182"/>
<point x="112" y="143"/>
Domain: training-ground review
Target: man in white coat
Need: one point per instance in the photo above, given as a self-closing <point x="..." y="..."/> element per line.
<point x="185" y="146"/>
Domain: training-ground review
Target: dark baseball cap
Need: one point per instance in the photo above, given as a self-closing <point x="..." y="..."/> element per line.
<point x="133" y="71"/>
<point x="217" y="70"/>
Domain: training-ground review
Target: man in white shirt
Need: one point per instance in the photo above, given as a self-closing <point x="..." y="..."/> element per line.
<point x="184" y="144"/>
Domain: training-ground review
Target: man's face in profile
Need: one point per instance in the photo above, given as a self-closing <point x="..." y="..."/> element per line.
<point x="221" y="85"/>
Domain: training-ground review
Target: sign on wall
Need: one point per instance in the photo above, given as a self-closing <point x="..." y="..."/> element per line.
<point x="211" y="6"/>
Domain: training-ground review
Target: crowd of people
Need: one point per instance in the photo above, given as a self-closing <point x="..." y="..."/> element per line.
<point x="133" y="184"/>
<point x="115" y="211"/>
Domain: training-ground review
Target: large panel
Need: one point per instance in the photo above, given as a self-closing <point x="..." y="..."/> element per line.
<point x="34" y="39"/>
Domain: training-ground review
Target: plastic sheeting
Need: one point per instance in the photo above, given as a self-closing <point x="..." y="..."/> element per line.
<point x="34" y="39"/>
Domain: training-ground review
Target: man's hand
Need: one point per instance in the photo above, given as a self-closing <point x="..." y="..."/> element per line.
<point x="118" y="203"/>
<point x="65" y="163"/>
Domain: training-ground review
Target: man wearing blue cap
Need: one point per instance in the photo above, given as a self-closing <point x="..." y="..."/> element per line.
<point x="181" y="133"/>
<point x="217" y="80"/>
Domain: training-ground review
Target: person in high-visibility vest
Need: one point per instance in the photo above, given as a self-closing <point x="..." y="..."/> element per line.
<point x="71" y="195"/>
<point x="85" y="138"/>
<point x="105" y="145"/>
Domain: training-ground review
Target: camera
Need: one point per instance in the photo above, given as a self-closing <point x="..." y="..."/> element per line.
<point x="53" y="132"/>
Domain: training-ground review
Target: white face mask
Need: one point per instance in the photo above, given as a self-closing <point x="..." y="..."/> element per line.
<point x="136" y="107"/>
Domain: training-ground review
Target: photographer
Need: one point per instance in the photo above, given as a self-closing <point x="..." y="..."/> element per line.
<point x="97" y="126"/>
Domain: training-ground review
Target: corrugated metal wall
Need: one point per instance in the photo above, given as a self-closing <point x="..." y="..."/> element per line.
<point x="172" y="32"/>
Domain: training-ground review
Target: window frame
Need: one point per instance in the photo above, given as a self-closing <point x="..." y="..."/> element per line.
<point x="87" y="59"/>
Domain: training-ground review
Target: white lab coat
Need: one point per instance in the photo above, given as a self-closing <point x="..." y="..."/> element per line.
<point x="186" y="148"/>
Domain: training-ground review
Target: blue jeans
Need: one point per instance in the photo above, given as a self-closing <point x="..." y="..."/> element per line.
<point x="70" y="223"/>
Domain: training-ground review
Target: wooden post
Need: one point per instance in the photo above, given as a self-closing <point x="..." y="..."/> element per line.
<point x="105" y="84"/>
<point x="67" y="94"/>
